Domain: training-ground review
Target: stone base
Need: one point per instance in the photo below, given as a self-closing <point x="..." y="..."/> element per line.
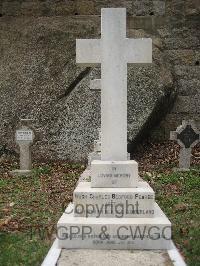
<point x="87" y="257"/>
<point x="97" y="156"/>
<point x="123" y="174"/>
<point x="114" y="233"/>
<point x="114" y="202"/>
<point x="21" y="172"/>
<point x="181" y="169"/>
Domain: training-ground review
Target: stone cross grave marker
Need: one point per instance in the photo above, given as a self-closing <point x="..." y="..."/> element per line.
<point x="113" y="51"/>
<point x="187" y="137"/>
<point x="114" y="179"/>
<point x="24" y="137"/>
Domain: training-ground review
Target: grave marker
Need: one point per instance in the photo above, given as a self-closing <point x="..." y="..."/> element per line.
<point x="187" y="137"/>
<point x="24" y="138"/>
<point x="114" y="206"/>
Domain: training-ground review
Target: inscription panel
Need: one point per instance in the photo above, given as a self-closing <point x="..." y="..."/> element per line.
<point x="24" y="135"/>
<point x="102" y="233"/>
<point x="114" y="202"/>
<point x="114" y="174"/>
<point x="119" y="205"/>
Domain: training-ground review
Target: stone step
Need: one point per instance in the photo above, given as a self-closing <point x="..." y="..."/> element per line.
<point x="113" y="202"/>
<point x="114" y="233"/>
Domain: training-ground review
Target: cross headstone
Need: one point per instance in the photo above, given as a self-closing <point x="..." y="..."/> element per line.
<point x="24" y="137"/>
<point x="187" y="136"/>
<point x="114" y="179"/>
<point x="114" y="51"/>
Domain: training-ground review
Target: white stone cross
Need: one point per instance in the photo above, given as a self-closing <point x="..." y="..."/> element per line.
<point x="113" y="51"/>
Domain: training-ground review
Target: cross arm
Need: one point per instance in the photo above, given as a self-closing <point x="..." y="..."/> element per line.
<point x="88" y="52"/>
<point x="139" y="51"/>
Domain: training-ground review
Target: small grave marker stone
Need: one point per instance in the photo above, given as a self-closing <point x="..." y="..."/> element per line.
<point x="187" y="137"/>
<point x="24" y="137"/>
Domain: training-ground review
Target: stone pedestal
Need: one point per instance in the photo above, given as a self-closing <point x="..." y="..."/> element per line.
<point x="21" y="172"/>
<point x="113" y="202"/>
<point x="113" y="217"/>
<point x="114" y="233"/>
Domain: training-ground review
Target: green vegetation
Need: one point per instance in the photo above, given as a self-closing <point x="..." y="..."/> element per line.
<point x="31" y="206"/>
<point x="19" y="249"/>
<point x="178" y="195"/>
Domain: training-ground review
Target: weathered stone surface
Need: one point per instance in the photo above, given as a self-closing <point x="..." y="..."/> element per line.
<point x="11" y="8"/>
<point x="175" y="8"/>
<point x="81" y="7"/>
<point x="182" y="43"/>
<point x="185" y="104"/>
<point x="188" y="72"/>
<point x="183" y="57"/>
<point x="39" y="78"/>
<point x="188" y="87"/>
<point x="192" y="7"/>
<point x="109" y="257"/>
<point x="145" y="7"/>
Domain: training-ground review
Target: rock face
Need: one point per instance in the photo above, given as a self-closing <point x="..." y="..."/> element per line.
<point x="39" y="78"/>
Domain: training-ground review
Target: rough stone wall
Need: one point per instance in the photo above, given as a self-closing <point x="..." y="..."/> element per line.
<point x="37" y="47"/>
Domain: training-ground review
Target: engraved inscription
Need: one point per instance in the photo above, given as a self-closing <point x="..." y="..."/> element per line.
<point x="26" y="135"/>
<point x="116" y="175"/>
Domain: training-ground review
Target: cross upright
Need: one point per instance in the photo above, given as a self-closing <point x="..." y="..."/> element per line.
<point x="113" y="51"/>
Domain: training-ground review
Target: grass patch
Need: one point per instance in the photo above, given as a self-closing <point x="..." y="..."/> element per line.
<point x="30" y="208"/>
<point x="178" y="196"/>
<point x="21" y="249"/>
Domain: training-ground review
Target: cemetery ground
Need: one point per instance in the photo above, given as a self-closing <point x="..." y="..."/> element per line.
<point x="31" y="206"/>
